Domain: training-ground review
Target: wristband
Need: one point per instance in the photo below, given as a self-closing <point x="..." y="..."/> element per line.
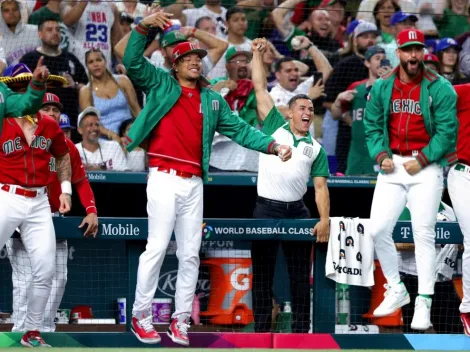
<point x="308" y="47"/>
<point x="66" y="187"/>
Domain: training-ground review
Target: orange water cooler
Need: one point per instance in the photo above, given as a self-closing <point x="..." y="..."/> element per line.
<point x="231" y="277"/>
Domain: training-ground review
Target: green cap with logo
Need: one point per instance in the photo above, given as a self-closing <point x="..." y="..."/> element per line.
<point x="172" y="38"/>
<point x="234" y="51"/>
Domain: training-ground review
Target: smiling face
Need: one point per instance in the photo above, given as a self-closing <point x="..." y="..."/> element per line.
<point x="90" y="128"/>
<point x="411" y="58"/>
<point x="321" y="22"/>
<point x="189" y="67"/>
<point x="301" y="116"/>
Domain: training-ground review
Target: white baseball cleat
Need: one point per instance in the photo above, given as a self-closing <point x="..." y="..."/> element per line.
<point x="422" y="316"/>
<point x="395" y="297"/>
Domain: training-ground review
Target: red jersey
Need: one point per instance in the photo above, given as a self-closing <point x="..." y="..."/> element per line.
<point x="29" y="165"/>
<point x="176" y="142"/>
<point x="407" y="131"/>
<point x="463" y="115"/>
<point x="79" y="179"/>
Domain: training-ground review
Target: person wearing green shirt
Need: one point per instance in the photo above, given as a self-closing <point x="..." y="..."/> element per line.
<point x="452" y="20"/>
<point x="351" y="105"/>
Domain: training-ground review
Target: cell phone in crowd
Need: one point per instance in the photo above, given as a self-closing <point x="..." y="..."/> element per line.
<point x="317" y="76"/>
<point x="385" y="63"/>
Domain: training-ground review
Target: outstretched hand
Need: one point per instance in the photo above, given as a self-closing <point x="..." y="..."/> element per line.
<point x="41" y="72"/>
<point x="158" y="19"/>
<point x="259" y="45"/>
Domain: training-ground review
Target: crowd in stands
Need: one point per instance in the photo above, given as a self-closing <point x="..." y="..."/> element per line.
<point x="316" y="47"/>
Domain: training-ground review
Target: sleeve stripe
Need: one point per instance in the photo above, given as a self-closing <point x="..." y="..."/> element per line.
<point x="37" y="85"/>
<point x="141" y="29"/>
<point x="381" y="156"/>
<point x="271" y="147"/>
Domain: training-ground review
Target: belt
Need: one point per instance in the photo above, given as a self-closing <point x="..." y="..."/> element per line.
<point x="279" y="204"/>
<point x="462" y="167"/>
<point x="406" y="153"/>
<point x="174" y="172"/>
<point x="28" y="193"/>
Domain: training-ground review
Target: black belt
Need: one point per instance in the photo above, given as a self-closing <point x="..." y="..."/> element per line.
<point x="279" y="204"/>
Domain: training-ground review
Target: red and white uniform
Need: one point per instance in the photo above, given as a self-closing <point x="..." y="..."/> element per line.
<point x="21" y="267"/>
<point x="175" y="195"/>
<point x="24" y="176"/>
<point x="458" y="182"/>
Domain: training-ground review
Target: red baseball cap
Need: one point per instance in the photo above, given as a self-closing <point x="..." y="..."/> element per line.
<point x="52" y="99"/>
<point x="409" y="37"/>
<point x="186" y="48"/>
<point x="431" y="58"/>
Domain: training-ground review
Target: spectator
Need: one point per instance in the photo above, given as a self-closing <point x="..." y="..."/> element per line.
<point x="336" y="9"/>
<point x="64" y="124"/>
<point x="52" y="10"/>
<point x="448" y="54"/>
<point x="367" y="11"/>
<point x="95" y="25"/>
<point x="320" y="32"/>
<point x="383" y="12"/>
<point x="212" y="9"/>
<point x="59" y="62"/>
<point x="3" y="61"/>
<point x="346" y="72"/>
<point x="348" y="48"/>
<point x="257" y="12"/>
<point x="399" y="22"/>
<point x="97" y="154"/>
<point x="126" y="21"/>
<point x="431" y="61"/>
<point x="135" y="9"/>
<point x="113" y="95"/>
<point x="206" y="24"/>
<point x="17" y="38"/>
<point x="426" y="10"/>
<point x="464" y="57"/>
<point x="350" y="105"/>
<point x="136" y="159"/>
<point x="451" y="18"/>
<point x="237" y="26"/>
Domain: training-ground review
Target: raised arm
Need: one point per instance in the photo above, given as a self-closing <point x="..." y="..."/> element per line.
<point x="72" y="13"/>
<point x="280" y="12"/>
<point x="321" y="62"/>
<point x="264" y="101"/>
<point x="216" y="47"/>
<point x="116" y="33"/>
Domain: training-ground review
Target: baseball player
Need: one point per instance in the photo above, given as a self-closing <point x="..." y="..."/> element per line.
<point x="411" y="129"/>
<point x="180" y="119"/>
<point x="21" y="265"/>
<point x="458" y="182"/>
<point x="350" y="105"/>
<point x="27" y="145"/>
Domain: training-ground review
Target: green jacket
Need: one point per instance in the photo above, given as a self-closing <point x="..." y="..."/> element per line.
<point x="438" y="105"/>
<point x="17" y="104"/>
<point x="163" y="90"/>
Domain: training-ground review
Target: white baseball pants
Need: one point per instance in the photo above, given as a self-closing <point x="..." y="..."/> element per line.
<point x="458" y="183"/>
<point x="423" y="193"/>
<point x="22" y="278"/>
<point x="173" y="203"/>
<point x="33" y="217"/>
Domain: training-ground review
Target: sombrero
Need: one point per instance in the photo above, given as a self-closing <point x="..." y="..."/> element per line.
<point x="17" y="76"/>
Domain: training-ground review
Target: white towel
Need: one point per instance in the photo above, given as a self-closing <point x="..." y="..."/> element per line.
<point x="350" y="257"/>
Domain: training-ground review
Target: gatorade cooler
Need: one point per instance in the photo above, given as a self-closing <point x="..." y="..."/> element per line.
<point x="231" y="277"/>
<point x="376" y="297"/>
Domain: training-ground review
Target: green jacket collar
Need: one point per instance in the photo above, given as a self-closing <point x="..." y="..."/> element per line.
<point x="306" y="139"/>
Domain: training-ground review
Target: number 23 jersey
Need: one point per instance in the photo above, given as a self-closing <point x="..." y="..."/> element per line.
<point x="93" y="30"/>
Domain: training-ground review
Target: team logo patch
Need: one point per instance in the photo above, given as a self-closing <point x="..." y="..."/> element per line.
<point x="308" y="151"/>
<point x="176" y="54"/>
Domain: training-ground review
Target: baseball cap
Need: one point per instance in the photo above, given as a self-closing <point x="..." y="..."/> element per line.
<point x="91" y="110"/>
<point x="186" y="48"/>
<point x="409" y="37"/>
<point x="352" y="26"/>
<point x="234" y="51"/>
<point x="52" y="99"/>
<point x="172" y="38"/>
<point x="401" y="16"/>
<point x="446" y="43"/>
<point x="373" y="50"/>
<point x="64" y="121"/>
<point x="365" y="27"/>
<point x="431" y="58"/>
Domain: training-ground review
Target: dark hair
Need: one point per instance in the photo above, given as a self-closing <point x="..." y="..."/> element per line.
<point x="379" y="4"/>
<point x="232" y="11"/>
<point x="203" y="18"/>
<point x="278" y="64"/>
<point x="124" y="124"/>
<point x="297" y="97"/>
<point x="44" y="20"/>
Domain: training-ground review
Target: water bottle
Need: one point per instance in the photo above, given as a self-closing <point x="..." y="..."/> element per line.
<point x="284" y="319"/>
<point x="287" y="308"/>
<point x="342" y="304"/>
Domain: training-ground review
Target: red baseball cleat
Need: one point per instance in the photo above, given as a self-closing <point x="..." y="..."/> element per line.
<point x="178" y="332"/>
<point x="465" y="317"/>
<point x="33" y="339"/>
<point x="144" y="331"/>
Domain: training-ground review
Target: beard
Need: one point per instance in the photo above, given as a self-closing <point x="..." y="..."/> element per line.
<point x="242" y="74"/>
<point x="411" y="72"/>
<point x="362" y="50"/>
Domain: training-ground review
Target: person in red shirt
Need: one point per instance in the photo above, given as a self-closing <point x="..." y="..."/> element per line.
<point x="180" y="118"/>
<point x="411" y="127"/>
<point x="27" y="145"/>
<point x="21" y="267"/>
<point x="458" y="183"/>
